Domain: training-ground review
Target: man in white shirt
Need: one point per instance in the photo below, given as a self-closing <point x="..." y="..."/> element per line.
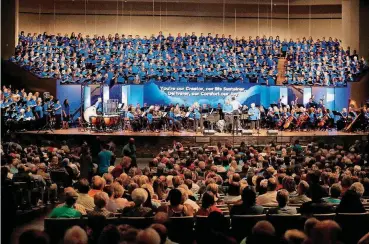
<point x="236" y="105"/>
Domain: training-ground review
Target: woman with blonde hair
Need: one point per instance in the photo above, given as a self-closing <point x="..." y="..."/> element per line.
<point x="118" y="191"/>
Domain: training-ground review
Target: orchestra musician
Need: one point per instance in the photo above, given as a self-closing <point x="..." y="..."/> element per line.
<point x="172" y="120"/>
<point x="98" y="105"/>
<point x="312" y="119"/>
<point x="254" y="114"/>
<point x="270" y="118"/>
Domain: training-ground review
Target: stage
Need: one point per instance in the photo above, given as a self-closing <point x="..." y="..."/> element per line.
<point x="263" y="133"/>
<point x="150" y="143"/>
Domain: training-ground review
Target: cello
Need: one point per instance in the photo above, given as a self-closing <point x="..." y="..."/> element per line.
<point x="288" y="122"/>
<point x="302" y="119"/>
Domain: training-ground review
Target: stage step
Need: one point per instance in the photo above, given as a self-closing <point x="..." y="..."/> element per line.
<point x="281" y="71"/>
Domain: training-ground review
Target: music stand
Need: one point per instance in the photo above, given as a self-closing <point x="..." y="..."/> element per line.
<point x="48" y="126"/>
<point x="335" y="113"/>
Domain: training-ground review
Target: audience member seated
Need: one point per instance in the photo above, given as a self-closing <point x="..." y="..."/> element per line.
<point x="326" y="231"/>
<point x="248" y="205"/>
<point x="176" y="207"/>
<point x="302" y="190"/>
<point x="83" y="198"/>
<point x="262" y="232"/>
<point x="317" y="205"/>
<point x="67" y="210"/>
<point x="98" y="184"/>
<point x="294" y="237"/>
<point x="270" y="197"/>
<point x="282" y="199"/>
<point x="207" y="205"/>
<point x="139" y="197"/>
<point x="335" y="193"/>
<point x="75" y="235"/>
<point x="101" y="200"/>
<point x="350" y="203"/>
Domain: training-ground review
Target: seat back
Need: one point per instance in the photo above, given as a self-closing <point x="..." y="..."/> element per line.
<point x="242" y="225"/>
<point x="56" y="228"/>
<point x="354" y="226"/>
<point x="137" y="222"/>
<point x="321" y="217"/>
<point x="60" y="178"/>
<point x="180" y="229"/>
<point x="203" y="227"/>
<point x="283" y="222"/>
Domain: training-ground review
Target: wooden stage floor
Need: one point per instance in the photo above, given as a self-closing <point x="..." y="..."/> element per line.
<point x="263" y="133"/>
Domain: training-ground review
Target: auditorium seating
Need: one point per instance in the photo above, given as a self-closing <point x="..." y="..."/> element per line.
<point x="354" y="225"/>
<point x="242" y="224"/>
<point x="283" y="222"/>
<point x="185" y="229"/>
<point x="128" y="60"/>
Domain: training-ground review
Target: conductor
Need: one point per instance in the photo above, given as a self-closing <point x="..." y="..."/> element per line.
<point x="236" y="105"/>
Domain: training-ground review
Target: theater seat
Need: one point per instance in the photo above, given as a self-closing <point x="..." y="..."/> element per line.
<point x="283" y="222"/>
<point x="202" y="227"/>
<point x="321" y="217"/>
<point x="242" y="225"/>
<point x="137" y="222"/>
<point x="56" y="228"/>
<point x="354" y="226"/>
<point x="180" y="229"/>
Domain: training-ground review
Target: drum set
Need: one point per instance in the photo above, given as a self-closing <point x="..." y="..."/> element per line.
<point x="110" y="121"/>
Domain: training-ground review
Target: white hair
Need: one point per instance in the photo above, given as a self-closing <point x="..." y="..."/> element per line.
<point x="75" y="235"/>
<point x="139" y="196"/>
<point x="358" y="188"/>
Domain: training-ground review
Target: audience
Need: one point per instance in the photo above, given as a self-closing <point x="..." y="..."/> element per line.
<point x="319" y="171"/>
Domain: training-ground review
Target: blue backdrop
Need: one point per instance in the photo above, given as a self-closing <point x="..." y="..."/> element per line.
<point x="208" y="93"/>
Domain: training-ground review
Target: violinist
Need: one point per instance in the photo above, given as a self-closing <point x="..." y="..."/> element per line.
<point x="312" y="119"/>
<point x="351" y="114"/>
<point x="270" y="118"/>
<point x="150" y="118"/>
<point x="277" y="116"/>
<point x="173" y="121"/>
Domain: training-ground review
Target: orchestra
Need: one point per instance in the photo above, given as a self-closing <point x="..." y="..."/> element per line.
<point x="226" y="118"/>
<point x="22" y="111"/>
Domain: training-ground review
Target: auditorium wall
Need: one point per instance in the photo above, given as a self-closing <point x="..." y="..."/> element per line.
<point x="147" y="25"/>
